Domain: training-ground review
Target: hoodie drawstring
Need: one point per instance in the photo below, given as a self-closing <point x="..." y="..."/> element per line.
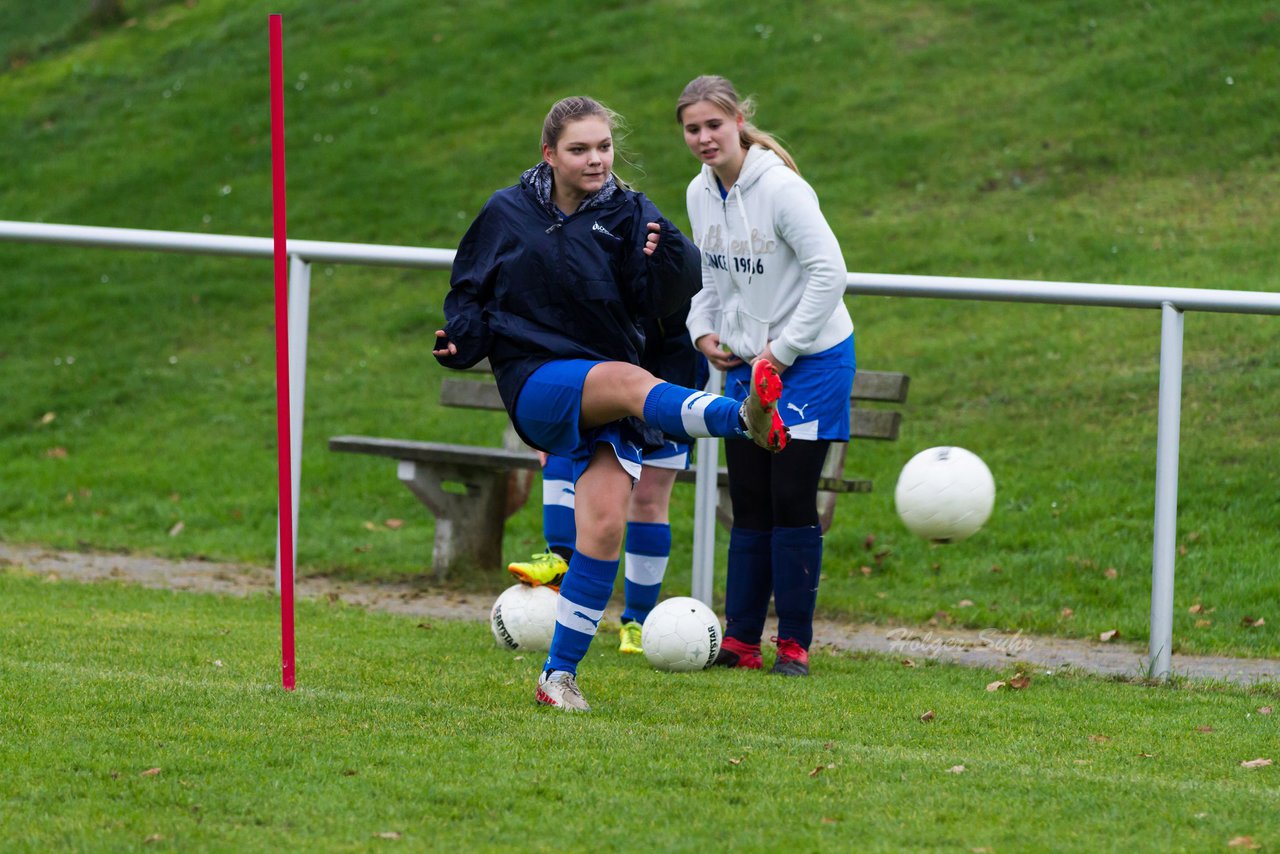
<point x="746" y="227"/>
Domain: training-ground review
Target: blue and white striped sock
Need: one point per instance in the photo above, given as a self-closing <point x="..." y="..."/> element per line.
<point x="648" y="550"/>
<point x="583" y="595"/>
<point x="558" y="524"/>
<point x="687" y="413"/>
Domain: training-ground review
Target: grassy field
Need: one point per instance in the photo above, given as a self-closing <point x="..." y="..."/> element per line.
<point x="154" y="718"/>
<point x="1085" y="141"/>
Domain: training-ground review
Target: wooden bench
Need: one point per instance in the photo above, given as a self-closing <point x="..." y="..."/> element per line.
<point x="472" y="490"/>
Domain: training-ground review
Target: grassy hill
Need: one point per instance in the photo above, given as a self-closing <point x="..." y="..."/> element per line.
<point x="1085" y="141"/>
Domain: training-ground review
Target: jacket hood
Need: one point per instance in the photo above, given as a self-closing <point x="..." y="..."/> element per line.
<point x="759" y="160"/>
<point x="537" y="181"/>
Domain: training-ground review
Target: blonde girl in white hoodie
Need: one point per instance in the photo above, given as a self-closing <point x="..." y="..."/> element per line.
<point x="773" y="281"/>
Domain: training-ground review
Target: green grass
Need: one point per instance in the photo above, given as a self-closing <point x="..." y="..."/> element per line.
<point x="428" y="730"/>
<point x="1086" y="141"/>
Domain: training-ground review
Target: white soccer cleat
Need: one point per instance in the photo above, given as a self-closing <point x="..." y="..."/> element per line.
<point x="559" y="689"/>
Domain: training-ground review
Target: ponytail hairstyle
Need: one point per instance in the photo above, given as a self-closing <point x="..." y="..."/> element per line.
<point x="719" y="91"/>
<point x="578" y="107"/>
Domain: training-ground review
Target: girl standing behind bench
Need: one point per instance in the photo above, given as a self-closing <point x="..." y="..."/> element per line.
<point x="773" y="287"/>
<point x="552" y="283"/>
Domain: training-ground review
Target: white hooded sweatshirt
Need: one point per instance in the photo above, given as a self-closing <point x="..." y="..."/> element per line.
<point x="772" y="270"/>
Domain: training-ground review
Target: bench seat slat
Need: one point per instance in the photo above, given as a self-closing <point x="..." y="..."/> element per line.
<point x="498" y="459"/>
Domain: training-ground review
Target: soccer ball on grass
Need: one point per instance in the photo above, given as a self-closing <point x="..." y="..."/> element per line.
<point x="524" y="617"/>
<point x="681" y="634"/>
<point x="945" y="494"/>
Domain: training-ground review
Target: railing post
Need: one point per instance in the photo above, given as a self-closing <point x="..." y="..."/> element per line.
<point x="706" y="495"/>
<point x="299" y="310"/>
<point x="1166" y="522"/>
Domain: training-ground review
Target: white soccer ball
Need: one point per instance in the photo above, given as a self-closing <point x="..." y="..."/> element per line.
<point x="524" y="617"/>
<point x="945" y="494"/>
<point x="681" y="634"/>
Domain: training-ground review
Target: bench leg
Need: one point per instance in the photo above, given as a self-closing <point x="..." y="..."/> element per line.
<point x="469" y="525"/>
<point x="833" y="467"/>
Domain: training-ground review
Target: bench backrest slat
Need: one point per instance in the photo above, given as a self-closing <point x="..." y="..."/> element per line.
<point x="864" y="423"/>
<point x="882" y="386"/>
<point x="469" y="394"/>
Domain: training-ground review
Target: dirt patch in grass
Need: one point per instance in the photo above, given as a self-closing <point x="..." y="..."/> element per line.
<point x="913" y="644"/>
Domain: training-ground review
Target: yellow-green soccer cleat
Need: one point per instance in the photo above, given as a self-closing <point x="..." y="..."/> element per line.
<point x="544" y="568"/>
<point x="629" y="637"/>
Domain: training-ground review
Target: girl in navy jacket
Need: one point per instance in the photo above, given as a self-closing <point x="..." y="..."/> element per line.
<point x="553" y="283"/>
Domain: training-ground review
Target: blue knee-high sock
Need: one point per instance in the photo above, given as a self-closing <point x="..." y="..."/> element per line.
<point x="687" y="413"/>
<point x="583" y="594"/>
<point x="797" y="565"/>
<point x="648" y="550"/>
<point x="558" y="524"/>
<point x="749" y="584"/>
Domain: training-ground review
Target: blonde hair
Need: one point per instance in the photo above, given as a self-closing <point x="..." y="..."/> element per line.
<point x="579" y="107"/>
<point x="719" y="92"/>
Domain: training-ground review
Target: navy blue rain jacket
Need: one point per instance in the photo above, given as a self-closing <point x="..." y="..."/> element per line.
<point x="528" y="287"/>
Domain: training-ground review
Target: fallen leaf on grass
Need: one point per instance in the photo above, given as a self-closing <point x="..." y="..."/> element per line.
<point x="737" y="761"/>
<point x="150" y="772"/>
<point x="176" y="529"/>
<point x="826" y="819"/>
<point x="388" y="834"/>
<point x="393" y="524"/>
<point x="1099" y="739"/>
<point x="906" y="662"/>
<point x="1018" y="682"/>
<point x="865" y="570"/>
<point x="1110" y="573"/>
<point x="995" y="686"/>
<point x="369" y="526"/>
<point x="1067" y="613"/>
<point x="1195" y="609"/>
<point x="1255" y="763"/>
<point x="58" y="453"/>
<point x="1264" y="710"/>
<point x="1251" y="622"/>
<point x="1204" y="729"/>
<point x="1203" y="624"/>
<point x="1145" y="755"/>
<point x="965" y="603"/>
<point x="1108" y="636"/>
<point x="48" y="417"/>
<point x="927" y="716"/>
<point x="819" y="769"/>
<point x="956" y="769"/>
<point x="155" y="837"/>
<point x="1243" y="842"/>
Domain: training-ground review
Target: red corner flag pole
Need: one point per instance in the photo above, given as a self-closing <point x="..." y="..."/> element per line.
<point x="283" y="444"/>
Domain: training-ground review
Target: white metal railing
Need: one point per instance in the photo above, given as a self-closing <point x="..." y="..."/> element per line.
<point x="1172" y="303"/>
